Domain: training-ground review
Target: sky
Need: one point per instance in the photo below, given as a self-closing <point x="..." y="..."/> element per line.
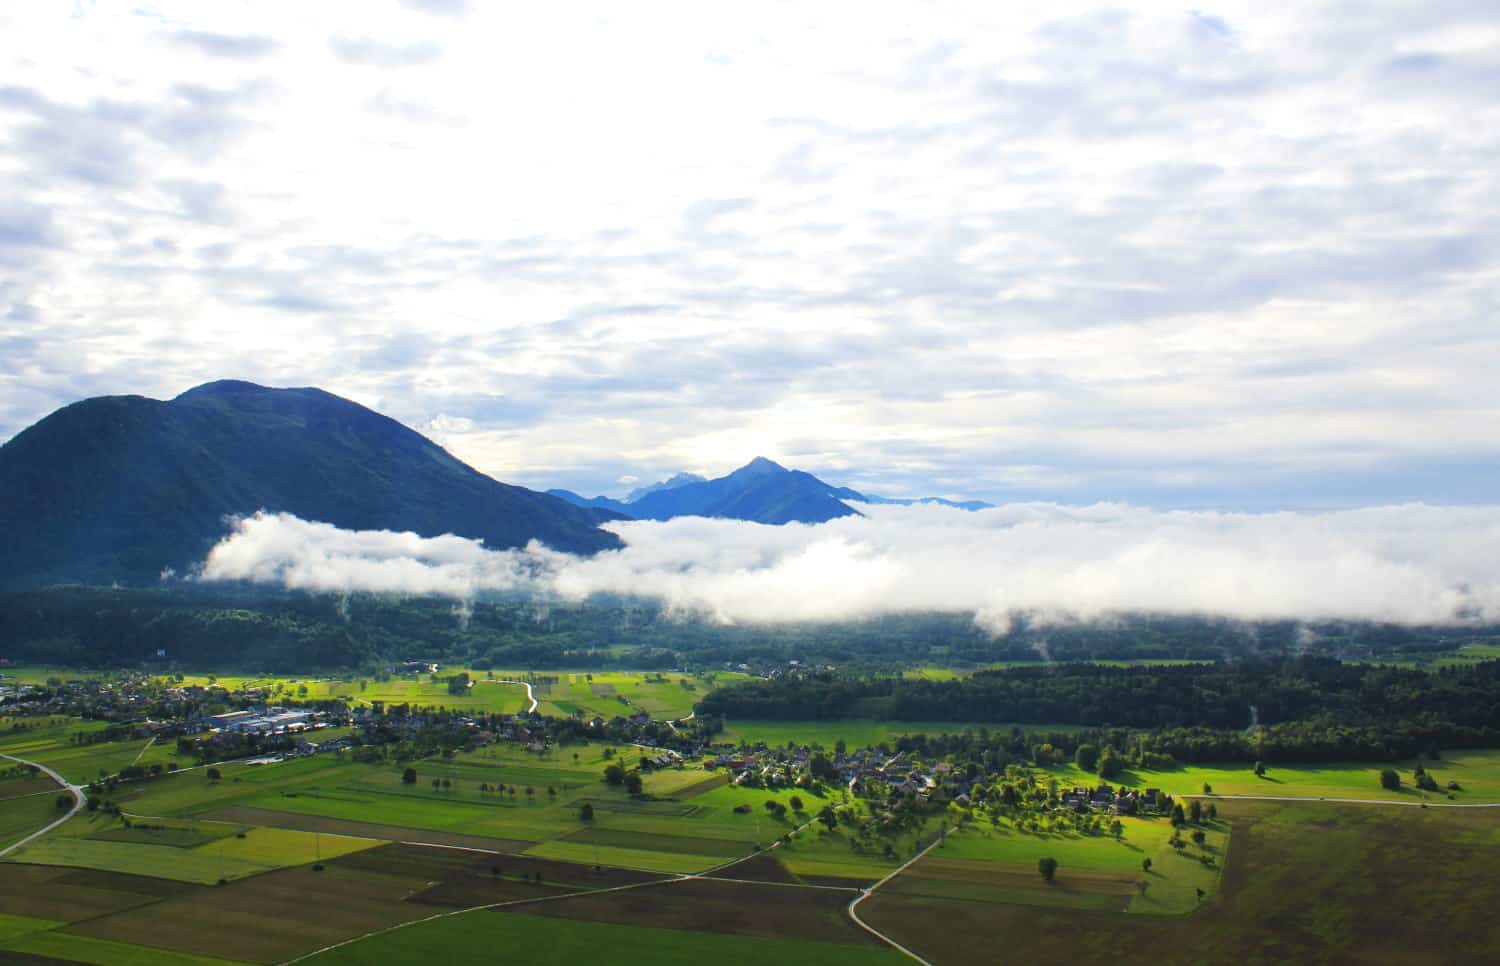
<point x="1229" y="257"/>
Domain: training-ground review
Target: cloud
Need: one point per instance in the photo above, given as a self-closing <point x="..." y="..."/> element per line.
<point x="365" y="52"/>
<point x="233" y="46"/>
<point x="1412" y="564"/>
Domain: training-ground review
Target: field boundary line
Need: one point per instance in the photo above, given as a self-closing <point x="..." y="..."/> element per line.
<point x="784" y="885"/>
<point x="866" y="893"/>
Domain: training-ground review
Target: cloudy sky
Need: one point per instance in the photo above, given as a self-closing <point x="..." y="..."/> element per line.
<point x="1235" y="256"/>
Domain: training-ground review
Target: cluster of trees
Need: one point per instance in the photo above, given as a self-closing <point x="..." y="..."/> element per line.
<point x="1219" y="699"/>
<point x="222" y="625"/>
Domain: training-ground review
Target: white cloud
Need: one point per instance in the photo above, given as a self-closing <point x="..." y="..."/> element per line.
<point x="1405" y="564"/>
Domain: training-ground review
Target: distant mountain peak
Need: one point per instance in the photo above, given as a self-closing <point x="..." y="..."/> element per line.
<point x="678" y="479"/>
<point x="760" y="465"/>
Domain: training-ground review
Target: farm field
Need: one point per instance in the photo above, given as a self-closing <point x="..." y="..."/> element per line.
<point x="99" y="842"/>
<point x="554" y="942"/>
<point x="663" y="695"/>
<point x="1339" y="883"/>
<point x="1090" y="867"/>
<point x="19" y="817"/>
<point x="1477" y="772"/>
<point x="315" y="850"/>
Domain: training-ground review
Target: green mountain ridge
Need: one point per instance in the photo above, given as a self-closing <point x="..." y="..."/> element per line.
<point x="119" y="488"/>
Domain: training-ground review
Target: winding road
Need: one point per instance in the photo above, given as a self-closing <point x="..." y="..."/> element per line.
<point x="866" y="893"/>
<point x="78" y="800"/>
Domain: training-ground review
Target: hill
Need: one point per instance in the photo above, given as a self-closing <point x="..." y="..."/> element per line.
<point x="117" y="488"/>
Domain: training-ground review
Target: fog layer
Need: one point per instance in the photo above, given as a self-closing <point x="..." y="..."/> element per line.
<point x="1406" y="564"/>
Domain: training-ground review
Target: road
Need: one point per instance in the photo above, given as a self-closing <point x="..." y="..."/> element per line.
<point x="78" y="800"/>
<point x="854" y="904"/>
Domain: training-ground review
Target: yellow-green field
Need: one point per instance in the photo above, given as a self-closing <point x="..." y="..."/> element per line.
<point x="1477" y="772"/>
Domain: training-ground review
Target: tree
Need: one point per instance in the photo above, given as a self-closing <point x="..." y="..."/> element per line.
<point x="1086" y="757"/>
<point x="409" y="776"/>
<point x="614" y="774"/>
<point x="1195" y="811"/>
<point x="1110" y="764"/>
<point x="1178" y="817"/>
<point x="829" y="817"/>
<point x="821" y="768"/>
<point x="586" y="812"/>
<point x="1260" y="769"/>
<point x="633" y="783"/>
<point x="64" y="801"/>
<point x="1212" y="811"/>
<point x="214" y="774"/>
<point x="796" y="802"/>
<point x="1047" y="867"/>
<point x="1146" y="864"/>
<point x="1390" y="780"/>
<point x="1198" y="836"/>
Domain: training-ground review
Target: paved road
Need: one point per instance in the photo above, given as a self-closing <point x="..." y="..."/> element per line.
<point x="854" y="904"/>
<point x="78" y="799"/>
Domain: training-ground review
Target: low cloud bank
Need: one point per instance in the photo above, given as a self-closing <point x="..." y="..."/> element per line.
<point x="1412" y="564"/>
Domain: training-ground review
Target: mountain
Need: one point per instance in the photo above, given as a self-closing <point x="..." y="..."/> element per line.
<point x="680" y="479"/>
<point x="610" y="509"/>
<point x="761" y="491"/>
<point x="117" y="488"/>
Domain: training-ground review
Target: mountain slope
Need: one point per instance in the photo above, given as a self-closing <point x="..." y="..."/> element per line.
<point x="614" y="508"/>
<point x="120" y="487"/>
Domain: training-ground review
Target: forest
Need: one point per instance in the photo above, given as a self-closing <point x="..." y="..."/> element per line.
<point x="1302" y="708"/>
<point x="191" y="625"/>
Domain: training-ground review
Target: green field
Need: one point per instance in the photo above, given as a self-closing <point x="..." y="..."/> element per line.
<point x="19" y="817"/>
<point x="548" y="941"/>
<point x="104" y="889"/>
<point x="1172" y="881"/>
<point x="228" y="856"/>
<point x="82" y="949"/>
<point x="1477" y="772"/>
